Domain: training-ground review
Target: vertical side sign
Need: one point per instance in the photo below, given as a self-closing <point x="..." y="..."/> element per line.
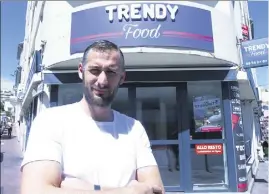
<point x="238" y="137"/>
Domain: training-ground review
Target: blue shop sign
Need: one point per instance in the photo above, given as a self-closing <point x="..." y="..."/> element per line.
<point x="255" y="53"/>
<point x="143" y="24"/>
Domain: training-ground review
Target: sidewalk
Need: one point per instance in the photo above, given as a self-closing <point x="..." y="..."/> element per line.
<point x="261" y="179"/>
<point x="10" y="167"/>
<point x="260" y="183"/>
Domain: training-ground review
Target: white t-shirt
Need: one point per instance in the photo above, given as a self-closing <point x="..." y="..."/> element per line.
<point x="104" y="153"/>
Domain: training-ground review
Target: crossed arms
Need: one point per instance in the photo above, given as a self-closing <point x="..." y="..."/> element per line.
<point x="44" y="177"/>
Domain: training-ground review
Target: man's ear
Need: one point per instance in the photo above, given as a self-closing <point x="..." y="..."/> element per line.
<point x="122" y="79"/>
<point x="80" y="71"/>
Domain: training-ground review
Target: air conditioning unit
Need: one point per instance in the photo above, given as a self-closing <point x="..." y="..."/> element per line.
<point x="20" y="92"/>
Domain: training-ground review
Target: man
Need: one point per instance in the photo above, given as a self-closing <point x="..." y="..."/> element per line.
<point x="9" y="127"/>
<point x="86" y="147"/>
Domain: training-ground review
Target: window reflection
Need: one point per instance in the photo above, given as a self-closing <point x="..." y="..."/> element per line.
<point x="156" y="109"/>
<point x="121" y="102"/>
<point x="208" y="170"/>
<point x="167" y="158"/>
<point x="69" y="93"/>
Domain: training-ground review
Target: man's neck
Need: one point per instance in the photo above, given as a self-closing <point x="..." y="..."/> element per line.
<point x="104" y="114"/>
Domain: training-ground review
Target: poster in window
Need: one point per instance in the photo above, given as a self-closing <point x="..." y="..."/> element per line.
<point x="207" y="114"/>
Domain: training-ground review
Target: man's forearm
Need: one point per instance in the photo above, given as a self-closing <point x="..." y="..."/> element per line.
<point x="56" y="190"/>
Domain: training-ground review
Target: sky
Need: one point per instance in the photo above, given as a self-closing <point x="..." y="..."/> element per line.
<point x="258" y="11"/>
<point x="12" y="33"/>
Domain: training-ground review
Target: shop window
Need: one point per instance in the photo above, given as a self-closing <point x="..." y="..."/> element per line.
<point x="167" y="158"/>
<point x="34" y="107"/>
<point x="53" y="96"/>
<point x="121" y="102"/>
<point x="206" y="110"/>
<point x="69" y="93"/>
<point x="156" y="109"/>
<point x="208" y="167"/>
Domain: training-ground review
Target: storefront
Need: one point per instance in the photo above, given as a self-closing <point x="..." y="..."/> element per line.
<point x="194" y="126"/>
<point x="181" y="94"/>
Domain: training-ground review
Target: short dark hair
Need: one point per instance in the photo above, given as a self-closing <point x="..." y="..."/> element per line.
<point x="102" y="46"/>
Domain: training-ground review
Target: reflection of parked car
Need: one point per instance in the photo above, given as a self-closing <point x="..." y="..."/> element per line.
<point x="215" y="119"/>
<point x="3" y="123"/>
<point x="212" y="124"/>
<point x="209" y="128"/>
<point x="6" y="124"/>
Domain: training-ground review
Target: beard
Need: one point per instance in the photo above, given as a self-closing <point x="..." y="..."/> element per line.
<point x="98" y="100"/>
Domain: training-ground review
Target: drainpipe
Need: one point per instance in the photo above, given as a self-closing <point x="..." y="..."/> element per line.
<point x="2" y="155"/>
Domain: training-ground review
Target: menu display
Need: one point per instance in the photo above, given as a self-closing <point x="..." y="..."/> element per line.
<point x="238" y="137"/>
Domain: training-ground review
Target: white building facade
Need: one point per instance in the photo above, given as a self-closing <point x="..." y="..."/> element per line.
<point x="194" y="45"/>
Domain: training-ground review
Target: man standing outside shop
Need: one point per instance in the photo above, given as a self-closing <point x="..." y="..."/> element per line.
<point x="87" y="147"/>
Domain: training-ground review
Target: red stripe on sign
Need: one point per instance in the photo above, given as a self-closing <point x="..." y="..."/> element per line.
<point x="188" y="35"/>
<point x="103" y="35"/>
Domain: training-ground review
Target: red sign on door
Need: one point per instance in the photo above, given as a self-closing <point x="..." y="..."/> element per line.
<point x="210" y="149"/>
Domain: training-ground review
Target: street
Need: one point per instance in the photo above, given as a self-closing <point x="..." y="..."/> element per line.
<point x="10" y="167"/>
<point x="10" y="170"/>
